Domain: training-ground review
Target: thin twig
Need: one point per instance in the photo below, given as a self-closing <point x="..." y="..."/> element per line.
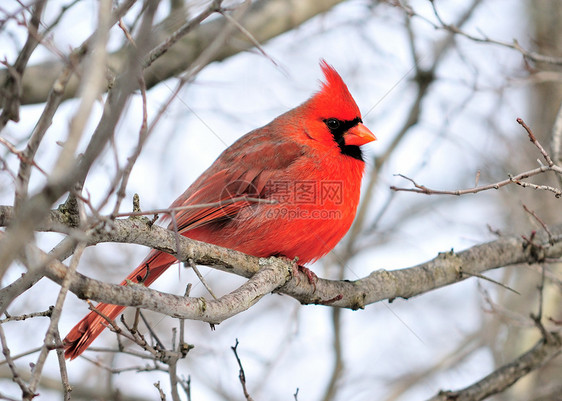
<point x="533" y="139"/>
<point x="62" y="367"/>
<point x="159" y="352"/>
<point x="23" y="354"/>
<point x="54" y="99"/>
<point x="542" y="223"/>
<point x="173" y="210"/>
<point x="186" y="384"/>
<point x="49" y="341"/>
<point x="516" y="179"/>
<point x="111" y="323"/>
<point x="151" y="330"/>
<point x="46" y="313"/>
<point x="241" y="374"/>
<point x="20" y="155"/>
<point x="172" y="369"/>
<point x="537" y="319"/>
<point x="247" y="33"/>
<point x="481" y="276"/>
<point x="131" y="160"/>
<point x="160" y="391"/>
<point x="123" y="174"/>
<point x="181" y="32"/>
<point x="527" y="54"/>
<point x="556" y="191"/>
<point x="184" y="347"/>
<point x="201" y="278"/>
<point x="27" y="392"/>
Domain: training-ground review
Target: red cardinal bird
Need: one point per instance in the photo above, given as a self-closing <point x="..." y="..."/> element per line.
<point x="307" y="161"/>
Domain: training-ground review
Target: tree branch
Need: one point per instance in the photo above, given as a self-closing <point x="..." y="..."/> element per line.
<point x="270" y="274"/>
<point x="507" y="375"/>
<point x="447" y="268"/>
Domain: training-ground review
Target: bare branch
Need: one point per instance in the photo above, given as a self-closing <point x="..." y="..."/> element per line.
<point x="446" y="269"/>
<point x="174" y="210"/>
<point x="158" y="51"/>
<point x="10" y="318"/>
<point x="273" y="274"/>
<point x="12" y="90"/>
<point x="201" y="278"/>
<point x="62" y="367"/>
<point x="514" y="45"/>
<point x="25" y="389"/>
<point x="507" y="375"/>
<point x="516" y="179"/>
<point x="241" y="374"/>
<point x="49" y="342"/>
<point x="535" y="142"/>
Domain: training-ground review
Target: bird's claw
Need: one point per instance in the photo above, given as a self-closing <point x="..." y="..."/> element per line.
<point x="310" y="275"/>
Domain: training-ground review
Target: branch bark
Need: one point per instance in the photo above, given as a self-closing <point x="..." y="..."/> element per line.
<point x="272" y="274"/>
<point x="447" y="268"/>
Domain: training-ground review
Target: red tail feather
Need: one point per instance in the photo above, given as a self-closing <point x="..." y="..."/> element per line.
<point x="86" y="331"/>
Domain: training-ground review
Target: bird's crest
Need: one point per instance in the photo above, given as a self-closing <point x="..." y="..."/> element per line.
<point x="334" y="99"/>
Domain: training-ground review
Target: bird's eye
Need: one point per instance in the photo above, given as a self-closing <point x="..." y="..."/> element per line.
<point x="332" y="123"/>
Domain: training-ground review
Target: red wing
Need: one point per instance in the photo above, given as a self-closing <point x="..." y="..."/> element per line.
<point x="246" y="174"/>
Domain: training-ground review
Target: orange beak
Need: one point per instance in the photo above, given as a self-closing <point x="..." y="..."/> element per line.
<point x="358" y="135"/>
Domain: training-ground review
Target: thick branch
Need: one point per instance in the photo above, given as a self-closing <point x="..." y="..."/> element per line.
<point x="272" y="274"/>
<point x="445" y="269"/>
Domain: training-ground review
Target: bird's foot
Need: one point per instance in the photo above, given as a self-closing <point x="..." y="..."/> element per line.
<point x="310" y="275"/>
